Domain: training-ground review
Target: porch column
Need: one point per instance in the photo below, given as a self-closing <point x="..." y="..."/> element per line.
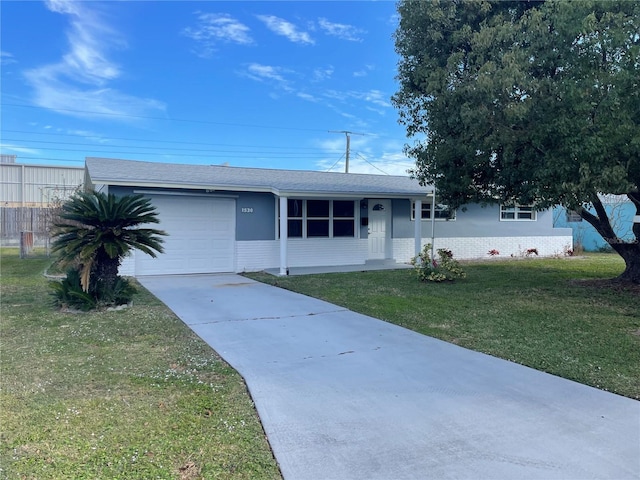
<point x="433" y="225"/>
<point x="418" y="227"/>
<point x="284" y="234"/>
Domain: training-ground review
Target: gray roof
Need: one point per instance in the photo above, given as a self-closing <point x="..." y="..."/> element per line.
<point x="111" y="171"/>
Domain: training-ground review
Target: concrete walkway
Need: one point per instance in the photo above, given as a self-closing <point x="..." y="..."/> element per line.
<point x="344" y="396"/>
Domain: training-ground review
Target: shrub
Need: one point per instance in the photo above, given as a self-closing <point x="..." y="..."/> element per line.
<point x="68" y="293"/>
<point x="441" y="270"/>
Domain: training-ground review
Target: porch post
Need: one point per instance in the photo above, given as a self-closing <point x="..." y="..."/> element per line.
<point x="433" y="225"/>
<point x="418" y="228"/>
<point x="284" y="234"/>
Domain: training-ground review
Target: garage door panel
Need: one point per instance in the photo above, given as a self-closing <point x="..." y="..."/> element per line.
<point x="201" y="236"/>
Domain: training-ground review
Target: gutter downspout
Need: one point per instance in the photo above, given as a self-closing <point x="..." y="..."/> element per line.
<point x="284" y="235"/>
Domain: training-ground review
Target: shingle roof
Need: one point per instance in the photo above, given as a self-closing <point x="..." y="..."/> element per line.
<point x="111" y="171"/>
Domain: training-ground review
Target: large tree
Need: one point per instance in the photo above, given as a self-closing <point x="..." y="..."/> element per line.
<point x="525" y="102"/>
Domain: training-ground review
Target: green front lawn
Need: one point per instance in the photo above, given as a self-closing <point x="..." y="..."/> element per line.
<point x="130" y="394"/>
<point x="550" y="314"/>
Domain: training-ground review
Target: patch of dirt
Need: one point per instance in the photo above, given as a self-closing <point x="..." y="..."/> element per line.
<point x="610" y="284"/>
<point x="189" y="471"/>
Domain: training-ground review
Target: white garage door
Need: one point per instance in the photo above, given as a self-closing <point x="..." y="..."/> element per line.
<point x="201" y="236"/>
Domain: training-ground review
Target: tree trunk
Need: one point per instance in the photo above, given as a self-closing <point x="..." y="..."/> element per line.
<point x="105" y="275"/>
<point x="628" y="250"/>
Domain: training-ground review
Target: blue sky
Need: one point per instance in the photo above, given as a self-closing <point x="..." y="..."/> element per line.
<point x="255" y="84"/>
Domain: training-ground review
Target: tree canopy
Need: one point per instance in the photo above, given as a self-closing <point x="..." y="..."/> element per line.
<point x="528" y="102"/>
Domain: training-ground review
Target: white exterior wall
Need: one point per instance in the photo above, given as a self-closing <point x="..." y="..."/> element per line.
<point x="258" y="255"/>
<point x="478" y="247"/>
<point x="310" y="252"/>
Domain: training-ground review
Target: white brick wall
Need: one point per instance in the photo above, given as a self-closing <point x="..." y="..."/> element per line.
<point x="311" y="252"/>
<point x="478" y="247"/>
<point x="262" y="254"/>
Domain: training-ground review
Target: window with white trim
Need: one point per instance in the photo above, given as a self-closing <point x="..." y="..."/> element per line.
<point x="514" y="213"/>
<point x="320" y="218"/>
<point x="441" y="212"/>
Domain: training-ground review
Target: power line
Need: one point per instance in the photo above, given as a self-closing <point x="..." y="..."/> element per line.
<point x="331" y="168"/>
<point x="145" y="140"/>
<point x="379" y="169"/>
<point x="208" y="122"/>
<point x="348" y="136"/>
<point x="164" y="152"/>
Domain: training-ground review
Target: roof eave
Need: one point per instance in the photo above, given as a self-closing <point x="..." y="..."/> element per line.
<point x="186" y="186"/>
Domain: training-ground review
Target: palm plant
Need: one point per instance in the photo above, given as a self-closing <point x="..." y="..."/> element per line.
<point x="96" y="231"/>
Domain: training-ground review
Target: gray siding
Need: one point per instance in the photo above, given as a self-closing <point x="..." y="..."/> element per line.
<point x="259" y="221"/>
<point x="473" y="221"/>
<point x="257" y="224"/>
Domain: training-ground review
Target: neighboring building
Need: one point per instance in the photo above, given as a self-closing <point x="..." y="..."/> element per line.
<point x="229" y="219"/>
<point x="23" y="185"/>
<point x="621" y="213"/>
<point x="27" y="195"/>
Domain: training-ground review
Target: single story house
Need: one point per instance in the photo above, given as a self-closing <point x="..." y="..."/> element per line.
<point x="231" y="219"/>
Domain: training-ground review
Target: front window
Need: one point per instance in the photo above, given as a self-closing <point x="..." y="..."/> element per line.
<point x="517" y="213"/>
<point x="343" y="218"/>
<point x="441" y="212"/>
<point x="318" y="219"/>
<point x="321" y="218"/>
<point x="295" y="218"/>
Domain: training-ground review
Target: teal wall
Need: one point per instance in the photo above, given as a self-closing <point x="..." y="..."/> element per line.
<point x="584" y="234"/>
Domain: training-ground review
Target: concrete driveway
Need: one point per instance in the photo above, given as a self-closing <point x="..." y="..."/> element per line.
<point x="344" y="396"/>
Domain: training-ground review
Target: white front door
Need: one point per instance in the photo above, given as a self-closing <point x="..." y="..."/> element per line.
<point x="379" y="229"/>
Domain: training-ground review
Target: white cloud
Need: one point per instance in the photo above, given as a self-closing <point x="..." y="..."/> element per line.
<point x="308" y="97"/>
<point x="78" y="84"/>
<point x="18" y="149"/>
<point x="95" y="137"/>
<point x="286" y="29"/>
<point x="363" y="72"/>
<point x="268" y="73"/>
<point x="385" y="163"/>
<point x="374" y="98"/>
<point x="6" y="58"/>
<point x="56" y="94"/>
<point x="368" y="154"/>
<point x="340" y="30"/>
<point x="214" y="28"/>
<point x="325" y="73"/>
<point x="262" y="72"/>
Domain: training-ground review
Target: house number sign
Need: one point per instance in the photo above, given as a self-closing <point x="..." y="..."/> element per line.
<point x="246" y="210"/>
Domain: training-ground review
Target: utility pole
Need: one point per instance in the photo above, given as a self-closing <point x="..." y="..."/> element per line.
<point x="348" y="135"/>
